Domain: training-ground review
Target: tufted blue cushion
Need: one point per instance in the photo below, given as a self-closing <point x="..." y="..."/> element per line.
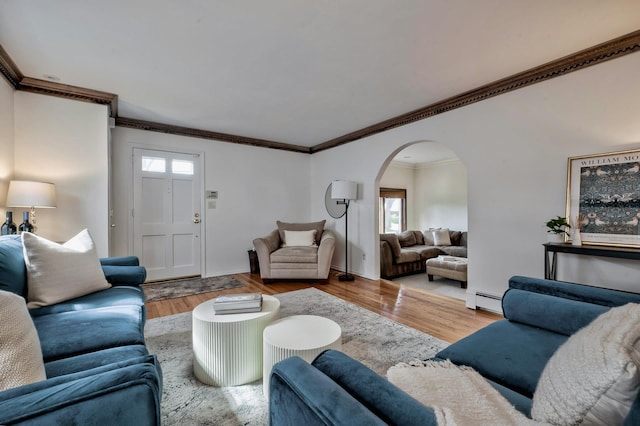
<point x="13" y="272"/>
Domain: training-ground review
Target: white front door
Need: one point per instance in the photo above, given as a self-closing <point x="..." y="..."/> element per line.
<point x="166" y="213"/>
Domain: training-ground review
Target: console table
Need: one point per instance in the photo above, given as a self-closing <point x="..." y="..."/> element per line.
<point x="550" y="267"/>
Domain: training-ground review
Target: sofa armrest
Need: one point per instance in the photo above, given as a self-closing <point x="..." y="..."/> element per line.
<point x="125" y="275"/>
<point x="95" y="396"/>
<point x="386" y="259"/>
<point x="325" y="252"/>
<point x="120" y="261"/>
<point x="299" y="394"/>
<point x="264" y="247"/>
<point x="383" y="398"/>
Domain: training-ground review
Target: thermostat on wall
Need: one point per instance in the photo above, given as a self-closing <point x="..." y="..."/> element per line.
<point x="212" y="195"/>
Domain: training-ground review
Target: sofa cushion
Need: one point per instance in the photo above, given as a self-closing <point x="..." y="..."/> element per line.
<point x="78" y="332"/>
<point x="318" y="226"/>
<point x="299" y="238"/>
<point x="83" y="362"/>
<point x="394" y="243"/>
<point x="20" y="352"/>
<point x="295" y="255"/>
<point x="441" y="237"/>
<point x="58" y="272"/>
<point x="428" y="237"/>
<point x="593" y="378"/>
<point x="419" y="237"/>
<point x="13" y="274"/>
<point x="509" y="353"/>
<point x="408" y="256"/>
<point x="114" y="296"/>
<point x="458" y="251"/>
<point x="454" y="237"/>
<point x="407" y="239"/>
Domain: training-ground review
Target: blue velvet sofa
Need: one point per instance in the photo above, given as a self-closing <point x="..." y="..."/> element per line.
<point x="97" y="366"/>
<point x="511" y="354"/>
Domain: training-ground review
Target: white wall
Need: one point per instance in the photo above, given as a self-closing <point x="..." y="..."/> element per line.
<point x="256" y="187"/>
<point x="65" y="142"/>
<point x="441" y="196"/>
<point x="6" y="140"/>
<point x="515" y="148"/>
<point x="402" y="176"/>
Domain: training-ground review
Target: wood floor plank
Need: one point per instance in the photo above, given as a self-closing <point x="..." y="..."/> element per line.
<point x="440" y="316"/>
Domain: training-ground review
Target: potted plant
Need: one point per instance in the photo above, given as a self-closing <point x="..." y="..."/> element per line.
<point x="558" y="228"/>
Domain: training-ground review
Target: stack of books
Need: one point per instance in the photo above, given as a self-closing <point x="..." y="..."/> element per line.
<point x="238" y="303"/>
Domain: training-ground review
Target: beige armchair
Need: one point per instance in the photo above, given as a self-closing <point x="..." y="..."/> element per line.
<point x="279" y="260"/>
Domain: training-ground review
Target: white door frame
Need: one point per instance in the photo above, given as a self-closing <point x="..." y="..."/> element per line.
<point x="130" y="218"/>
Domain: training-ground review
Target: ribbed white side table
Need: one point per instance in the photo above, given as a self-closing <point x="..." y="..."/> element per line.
<point x="300" y="335"/>
<point x="227" y="349"/>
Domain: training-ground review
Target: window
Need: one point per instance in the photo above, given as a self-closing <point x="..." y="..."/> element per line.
<point x="182" y="167"/>
<point x="154" y="164"/>
<point x="393" y="210"/>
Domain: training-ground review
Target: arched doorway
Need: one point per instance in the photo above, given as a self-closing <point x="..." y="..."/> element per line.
<point x="433" y="180"/>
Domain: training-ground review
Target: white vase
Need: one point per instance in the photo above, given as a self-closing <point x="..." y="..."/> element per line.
<point x="555" y="238"/>
<point x="576" y="238"/>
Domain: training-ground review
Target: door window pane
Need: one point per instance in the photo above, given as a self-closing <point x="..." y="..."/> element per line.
<point x="182" y="167"/>
<point x="154" y="164"/>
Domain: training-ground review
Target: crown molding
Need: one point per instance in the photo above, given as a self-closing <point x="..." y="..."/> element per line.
<point x="82" y="94"/>
<point x="206" y="134"/>
<point x="612" y="49"/>
<point x="606" y="51"/>
<point x="9" y="69"/>
<point x="14" y="76"/>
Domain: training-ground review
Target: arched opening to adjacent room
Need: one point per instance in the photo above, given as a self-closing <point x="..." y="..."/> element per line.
<point x="422" y="189"/>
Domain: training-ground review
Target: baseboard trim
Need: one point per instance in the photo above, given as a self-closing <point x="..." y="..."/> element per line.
<point x="485" y="301"/>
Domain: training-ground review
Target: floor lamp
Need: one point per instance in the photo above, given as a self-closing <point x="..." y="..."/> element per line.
<point x="345" y="191"/>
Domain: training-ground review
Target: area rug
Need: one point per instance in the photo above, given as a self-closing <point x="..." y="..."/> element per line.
<point x="162" y="290"/>
<point x="372" y="339"/>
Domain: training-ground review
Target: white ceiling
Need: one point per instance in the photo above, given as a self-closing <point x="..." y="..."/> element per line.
<point x="295" y="71"/>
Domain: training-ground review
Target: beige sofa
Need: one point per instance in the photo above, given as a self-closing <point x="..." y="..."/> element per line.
<point x="281" y="261"/>
<point x="406" y="253"/>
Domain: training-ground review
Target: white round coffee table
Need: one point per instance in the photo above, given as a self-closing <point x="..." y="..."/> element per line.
<point x="300" y="335"/>
<point x="227" y="349"/>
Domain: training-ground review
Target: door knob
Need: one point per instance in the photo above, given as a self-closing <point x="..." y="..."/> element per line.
<point x="196" y="220"/>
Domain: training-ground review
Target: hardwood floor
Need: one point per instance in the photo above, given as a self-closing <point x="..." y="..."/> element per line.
<point x="440" y="316"/>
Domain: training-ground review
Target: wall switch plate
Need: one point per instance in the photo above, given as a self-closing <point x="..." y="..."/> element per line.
<point x="211" y="204"/>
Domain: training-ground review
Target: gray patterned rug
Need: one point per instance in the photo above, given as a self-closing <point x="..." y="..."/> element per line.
<point x="162" y="290"/>
<point x="374" y="340"/>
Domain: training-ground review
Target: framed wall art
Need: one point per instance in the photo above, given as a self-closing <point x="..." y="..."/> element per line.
<point x="603" y="198"/>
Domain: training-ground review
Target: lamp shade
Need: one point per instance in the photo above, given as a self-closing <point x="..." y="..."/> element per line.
<point x="26" y="193"/>
<point x="344" y="190"/>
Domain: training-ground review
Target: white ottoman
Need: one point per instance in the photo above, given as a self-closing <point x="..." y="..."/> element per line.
<point x="227" y="349"/>
<point x="299" y="335"/>
<point x="452" y="267"/>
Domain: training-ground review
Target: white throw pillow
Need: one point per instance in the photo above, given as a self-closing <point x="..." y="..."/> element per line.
<point x="441" y="237"/>
<point x="300" y="238"/>
<point x="20" y="351"/>
<point x="59" y="272"/>
<point x="593" y="377"/>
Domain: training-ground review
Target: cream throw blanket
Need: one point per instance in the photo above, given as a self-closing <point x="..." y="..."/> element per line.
<point x="459" y="396"/>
